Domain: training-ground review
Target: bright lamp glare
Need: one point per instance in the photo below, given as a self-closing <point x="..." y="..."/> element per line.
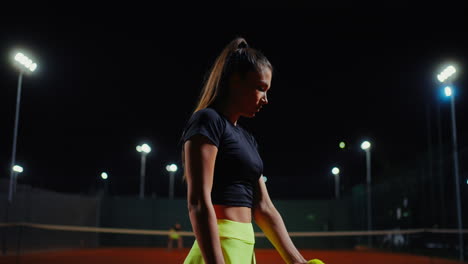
<point x="104" y="176"/>
<point x="28" y="63"/>
<point x="33" y="67"/>
<point x="18" y="168"/>
<point x="446" y="73"/>
<point x="19" y="56"/>
<point x="441" y="77"/>
<point x="342" y="145"/>
<point x="171" y="168"/>
<point x="146" y="148"/>
<point x="25" y="61"/>
<point x="365" y="145"/>
<point x="451" y="70"/>
<point x="335" y="171"/>
<point x="448" y="91"/>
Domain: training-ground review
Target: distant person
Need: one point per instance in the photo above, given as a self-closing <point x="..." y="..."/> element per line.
<point x="223" y="168"/>
<point x="175" y="236"/>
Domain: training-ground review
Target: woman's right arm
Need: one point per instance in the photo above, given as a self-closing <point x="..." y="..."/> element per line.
<point x="200" y="156"/>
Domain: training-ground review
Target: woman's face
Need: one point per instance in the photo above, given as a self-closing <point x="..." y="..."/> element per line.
<point x="249" y="93"/>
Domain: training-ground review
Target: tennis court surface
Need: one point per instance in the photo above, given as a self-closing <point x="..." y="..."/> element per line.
<point x="159" y="255"/>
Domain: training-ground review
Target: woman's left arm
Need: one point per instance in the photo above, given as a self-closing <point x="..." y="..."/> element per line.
<point x="270" y="221"/>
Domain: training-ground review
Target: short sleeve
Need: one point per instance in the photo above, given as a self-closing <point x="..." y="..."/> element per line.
<point x="206" y="122"/>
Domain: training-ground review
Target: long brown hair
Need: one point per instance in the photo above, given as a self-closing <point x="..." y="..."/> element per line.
<point x="236" y="57"/>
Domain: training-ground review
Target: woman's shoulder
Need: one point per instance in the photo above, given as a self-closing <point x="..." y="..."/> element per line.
<point x="207" y="115"/>
<point x="209" y="112"/>
<point x="207" y="122"/>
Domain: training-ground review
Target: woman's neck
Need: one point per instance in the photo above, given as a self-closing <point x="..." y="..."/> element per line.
<point x="229" y="112"/>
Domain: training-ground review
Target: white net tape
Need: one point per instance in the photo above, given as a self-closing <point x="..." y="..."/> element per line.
<point x="257" y="234"/>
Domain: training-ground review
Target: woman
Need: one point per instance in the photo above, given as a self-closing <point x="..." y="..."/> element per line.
<point x="223" y="168"/>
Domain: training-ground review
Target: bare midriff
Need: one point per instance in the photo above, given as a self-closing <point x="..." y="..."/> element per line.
<point x="233" y="213"/>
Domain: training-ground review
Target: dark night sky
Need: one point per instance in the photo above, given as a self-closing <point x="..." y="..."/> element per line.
<point x="106" y="84"/>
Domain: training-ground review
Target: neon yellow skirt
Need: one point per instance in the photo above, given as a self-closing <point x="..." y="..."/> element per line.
<point x="237" y="242"/>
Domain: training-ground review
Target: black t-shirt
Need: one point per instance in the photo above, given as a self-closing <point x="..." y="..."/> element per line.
<point x="238" y="165"/>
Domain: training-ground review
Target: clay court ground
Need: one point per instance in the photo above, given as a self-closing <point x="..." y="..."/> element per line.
<point x="158" y="255"/>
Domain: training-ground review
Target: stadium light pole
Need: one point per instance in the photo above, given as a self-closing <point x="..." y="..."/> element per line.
<point x="144" y="150"/>
<point x="16" y="169"/>
<point x="444" y="77"/>
<point x="105" y="178"/>
<point x="336" y="172"/>
<point x="366" y="145"/>
<point x="172" y="168"/>
<point x="24" y="65"/>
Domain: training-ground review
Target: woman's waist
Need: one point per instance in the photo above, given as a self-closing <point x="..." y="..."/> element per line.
<point x="234" y="213"/>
